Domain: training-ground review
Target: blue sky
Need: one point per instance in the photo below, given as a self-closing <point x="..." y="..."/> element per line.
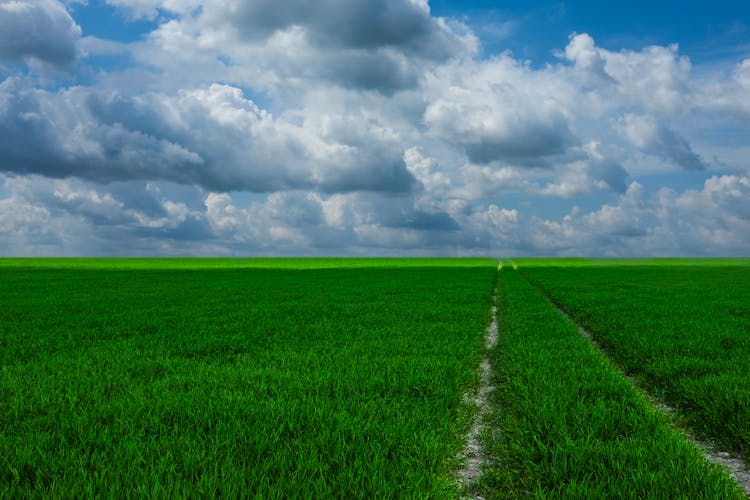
<point x="374" y="127"/>
<point x="105" y="21"/>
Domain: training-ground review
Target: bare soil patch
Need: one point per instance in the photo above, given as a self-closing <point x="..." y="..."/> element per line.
<point x="473" y="454"/>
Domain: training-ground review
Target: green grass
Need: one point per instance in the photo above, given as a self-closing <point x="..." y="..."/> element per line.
<point x="321" y="378"/>
<point x="277" y="383"/>
<point x="242" y="263"/>
<point x="618" y="262"/>
<point x="568" y="425"/>
<point x="682" y="331"/>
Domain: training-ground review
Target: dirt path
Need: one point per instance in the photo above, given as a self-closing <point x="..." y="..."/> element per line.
<point x="735" y="466"/>
<point x="473" y="453"/>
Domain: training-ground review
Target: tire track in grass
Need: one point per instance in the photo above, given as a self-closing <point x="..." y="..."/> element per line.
<point x="736" y="467"/>
<point x="473" y="455"/>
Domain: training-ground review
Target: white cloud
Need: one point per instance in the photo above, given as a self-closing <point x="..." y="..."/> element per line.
<point x="730" y="193"/>
<point x="37" y="31"/>
<point x="624" y="219"/>
<point x="727" y="99"/>
<point x="584" y="53"/>
<point x="656" y="78"/>
<point x="93" y="46"/>
<point x="434" y="182"/>
<point x="284" y="47"/>
<point x="742" y="73"/>
<point x="212" y="136"/>
<point x="654" y="138"/>
<point x="358" y="126"/>
<point x="41" y="216"/>
<point x="710" y="221"/>
<point x="222" y="215"/>
<point x="499" y="110"/>
<point x="364" y="24"/>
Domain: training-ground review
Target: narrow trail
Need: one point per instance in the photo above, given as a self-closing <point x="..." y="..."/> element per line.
<point x="736" y="467"/>
<point x="473" y="453"/>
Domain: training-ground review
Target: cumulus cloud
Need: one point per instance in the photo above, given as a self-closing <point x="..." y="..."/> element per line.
<point x="654" y="138"/>
<point x="730" y="193"/>
<point x="286" y="46"/>
<point x="697" y="222"/>
<point x="588" y="170"/>
<point x="71" y="217"/>
<point x="584" y="53"/>
<point x="41" y="216"/>
<point x="625" y="219"/>
<point x="710" y="221"/>
<point x="742" y="73"/>
<point x="342" y="222"/>
<point x="727" y="98"/>
<point x="361" y="24"/>
<point x="213" y="137"/>
<point x="37" y="31"/>
<point x="657" y="78"/>
<point x="54" y="134"/>
<point x="499" y="110"/>
<point x="433" y="181"/>
<point x="355" y="127"/>
<point x="706" y="222"/>
<point x="120" y="206"/>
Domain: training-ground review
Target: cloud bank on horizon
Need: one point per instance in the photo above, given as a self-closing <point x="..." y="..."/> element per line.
<point x="359" y="127"/>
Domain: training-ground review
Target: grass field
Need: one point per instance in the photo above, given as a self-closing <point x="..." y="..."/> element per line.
<point x="274" y="382"/>
<point x="568" y="425"/>
<point x="568" y="262"/>
<point x="682" y="331"/>
<point x="318" y="378"/>
<point x="240" y="263"/>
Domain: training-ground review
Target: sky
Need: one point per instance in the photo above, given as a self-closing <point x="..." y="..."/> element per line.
<point x="374" y="127"/>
